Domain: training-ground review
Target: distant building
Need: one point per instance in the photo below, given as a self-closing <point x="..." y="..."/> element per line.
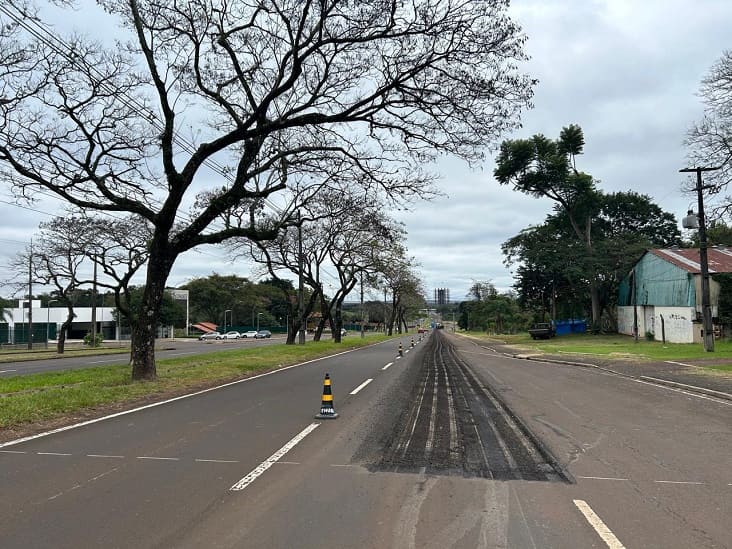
<point x="663" y="291"/>
<point x="442" y="296"/>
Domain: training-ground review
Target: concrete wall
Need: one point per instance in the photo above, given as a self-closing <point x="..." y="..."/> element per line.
<point x="678" y="322"/>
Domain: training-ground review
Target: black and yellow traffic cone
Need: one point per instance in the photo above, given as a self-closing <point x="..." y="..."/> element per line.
<point x="412" y="342"/>
<point x="401" y="351"/>
<point x="326" y="405"/>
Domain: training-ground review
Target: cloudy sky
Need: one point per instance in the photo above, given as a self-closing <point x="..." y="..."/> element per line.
<point x="626" y="71"/>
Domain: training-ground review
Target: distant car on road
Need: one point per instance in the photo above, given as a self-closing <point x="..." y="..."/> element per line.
<point x="210" y="335"/>
<point x="261" y="334"/>
<point x="233" y="334"/>
<point x="250" y="333"/>
<point x="343" y="332"/>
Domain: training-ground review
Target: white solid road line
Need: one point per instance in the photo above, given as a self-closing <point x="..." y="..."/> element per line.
<point x="387" y="366"/>
<point x="174" y="399"/>
<point x="271" y="460"/>
<point x="103" y="361"/>
<point x="357" y="389"/>
<point x="600" y="527"/>
<point x="6" y="371"/>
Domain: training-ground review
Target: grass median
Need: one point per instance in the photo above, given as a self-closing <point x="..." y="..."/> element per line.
<point x="41" y="399"/>
<point x="620" y="347"/>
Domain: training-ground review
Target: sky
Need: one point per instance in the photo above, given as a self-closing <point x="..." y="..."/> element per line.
<point x="626" y="71"/>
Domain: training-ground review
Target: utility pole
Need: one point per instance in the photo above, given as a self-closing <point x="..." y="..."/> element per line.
<point x="703" y="260"/>
<point x="30" y="297"/>
<point x="362" y="334"/>
<point x="301" y="290"/>
<point x="93" y="342"/>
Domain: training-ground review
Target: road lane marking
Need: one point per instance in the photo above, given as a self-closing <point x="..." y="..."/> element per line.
<point x="51" y="454"/>
<point x="604" y="478"/>
<point x="357" y="389"/>
<point x="174" y="399"/>
<point x="158" y="458"/>
<point x="103" y="361"/>
<point x="218" y="460"/>
<point x="6" y="371"/>
<point x="600" y="527"/>
<point x="387" y="366"/>
<point x="180" y="354"/>
<point x="271" y="460"/>
<point x="679" y="363"/>
<point x="12" y="452"/>
<point x="104" y="456"/>
<point x="677" y="390"/>
<point x="679" y="482"/>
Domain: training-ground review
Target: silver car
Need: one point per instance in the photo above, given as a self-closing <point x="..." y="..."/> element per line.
<point x="210" y="335"/>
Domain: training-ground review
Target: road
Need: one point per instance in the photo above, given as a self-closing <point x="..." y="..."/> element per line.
<point x="451" y="445"/>
<point x="165" y="349"/>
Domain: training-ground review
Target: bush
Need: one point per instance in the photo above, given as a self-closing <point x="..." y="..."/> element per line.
<point x="88" y="340"/>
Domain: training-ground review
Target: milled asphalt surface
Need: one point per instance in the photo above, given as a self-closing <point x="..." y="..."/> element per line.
<point x="685" y="374"/>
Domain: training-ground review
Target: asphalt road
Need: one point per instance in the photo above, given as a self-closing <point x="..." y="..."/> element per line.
<point x="246" y="465"/>
<point x="165" y="349"/>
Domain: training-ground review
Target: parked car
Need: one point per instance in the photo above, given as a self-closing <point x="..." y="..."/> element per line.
<point x="542" y="330"/>
<point x="210" y="335"/>
<point x="233" y="334"/>
<point x="343" y="332"/>
<point x="250" y="333"/>
<point x="261" y="334"/>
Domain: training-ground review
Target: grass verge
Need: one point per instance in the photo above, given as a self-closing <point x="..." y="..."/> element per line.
<point x="39" y="399"/>
<point x="619" y="347"/>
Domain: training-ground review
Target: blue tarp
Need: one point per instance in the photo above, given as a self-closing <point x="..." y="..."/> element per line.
<point x="570" y="326"/>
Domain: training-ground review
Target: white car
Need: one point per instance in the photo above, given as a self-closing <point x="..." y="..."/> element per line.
<point x="250" y="333"/>
<point x="210" y="335"/>
<point x="233" y="334"/>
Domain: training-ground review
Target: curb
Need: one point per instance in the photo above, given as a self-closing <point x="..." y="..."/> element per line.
<point x="675" y="384"/>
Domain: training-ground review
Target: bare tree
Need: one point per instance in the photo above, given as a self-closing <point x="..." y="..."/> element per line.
<point x="371" y="90"/>
<point x="709" y="141"/>
<point x="65" y="244"/>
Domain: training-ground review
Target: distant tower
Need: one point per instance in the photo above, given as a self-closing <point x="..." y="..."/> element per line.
<point x="442" y="296"/>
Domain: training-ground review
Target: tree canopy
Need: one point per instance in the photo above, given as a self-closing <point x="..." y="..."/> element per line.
<point x="287" y="98"/>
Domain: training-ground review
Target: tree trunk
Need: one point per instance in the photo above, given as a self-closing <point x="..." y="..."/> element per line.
<point x="61" y="336"/>
<point x="145" y="323"/>
<point x="595" y="297"/>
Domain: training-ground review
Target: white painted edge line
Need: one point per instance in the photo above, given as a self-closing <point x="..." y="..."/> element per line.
<point x="12" y="452"/>
<point x="51" y="454"/>
<point x="687" y="393"/>
<point x="267" y="463"/>
<point x="603" y="478"/>
<point x="679" y="363"/>
<point x="387" y="366"/>
<point x="600" y="527"/>
<point x="108" y="360"/>
<point x="679" y="482"/>
<point x="6" y="371"/>
<point x="710" y="392"/>
<point x="357" y="389"/>
<point x="181" y="397"/>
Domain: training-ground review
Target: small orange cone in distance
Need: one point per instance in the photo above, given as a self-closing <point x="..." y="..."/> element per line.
<point x="326" y="404"/>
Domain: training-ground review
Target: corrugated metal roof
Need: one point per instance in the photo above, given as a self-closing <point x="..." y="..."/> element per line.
<point x="719" y="258"/>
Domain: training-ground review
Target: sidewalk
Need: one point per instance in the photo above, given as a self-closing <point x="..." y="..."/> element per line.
<point x="688" y="375"/>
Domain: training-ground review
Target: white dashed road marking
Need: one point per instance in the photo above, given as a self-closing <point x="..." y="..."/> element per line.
<point x="267" y="463"/>
<point x="603" y="478"/>
<point x="158" y="458"/>
<point x="52" y="454"/>
<point x="217" y="460"/>
<point x="600" y="527"/>
<point x="387" y="366"/>
<point x="6" y="371"/>
<point x="103" y="456"/>
<point x="357" y="389"/>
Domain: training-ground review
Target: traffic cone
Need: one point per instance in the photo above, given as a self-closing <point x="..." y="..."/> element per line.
<point x="326" y="404"/>
<point x="412" y="342"/>
<point x="401" y="351"/>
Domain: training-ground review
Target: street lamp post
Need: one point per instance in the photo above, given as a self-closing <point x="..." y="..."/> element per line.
<point x="48" y="316"/>
<point x="258" y="315"/>
<point x="226" y="311"/>
<point x="703" y="260"/>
